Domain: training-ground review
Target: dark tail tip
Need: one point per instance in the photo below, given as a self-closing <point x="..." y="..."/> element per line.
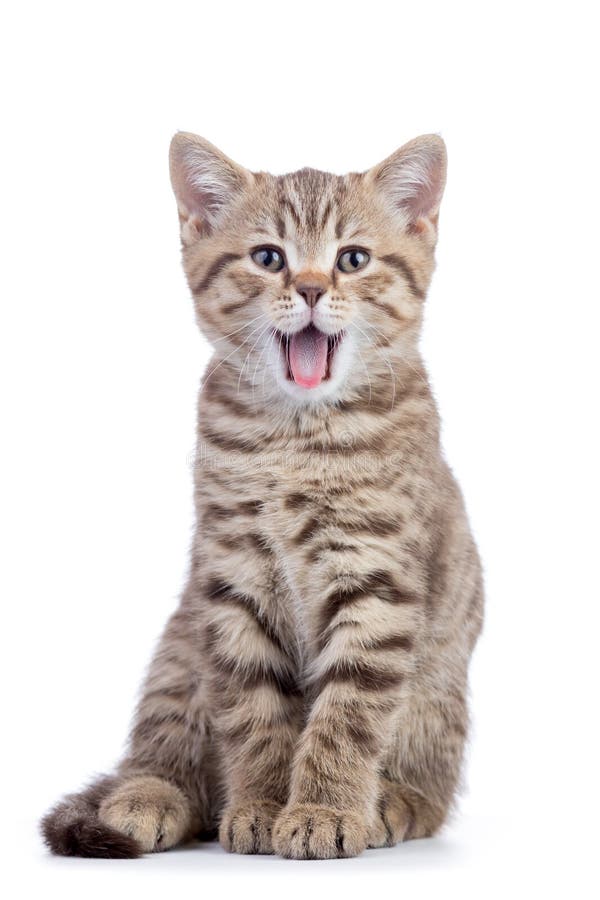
<point x="89" y="839"/>
<point x="73" y="829"/>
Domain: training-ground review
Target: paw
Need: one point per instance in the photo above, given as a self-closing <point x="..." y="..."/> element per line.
<point x="306" y="831"/>
<point x="246" y="828"/>
<point x="393" y="821"/>
<point x="387" y="831"/>
<point x="149" y="809"/>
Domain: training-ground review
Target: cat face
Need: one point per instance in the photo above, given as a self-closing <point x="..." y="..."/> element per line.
<point x="310" y="285"/>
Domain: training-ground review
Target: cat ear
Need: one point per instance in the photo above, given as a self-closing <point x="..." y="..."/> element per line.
<point x="205" y="182"/>
<point x="413" y="179"/>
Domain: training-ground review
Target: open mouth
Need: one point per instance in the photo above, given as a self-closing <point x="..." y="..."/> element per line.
<point x="308" y="355"/>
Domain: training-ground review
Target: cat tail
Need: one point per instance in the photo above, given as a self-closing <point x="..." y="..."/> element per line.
<point x="73" y="828"/>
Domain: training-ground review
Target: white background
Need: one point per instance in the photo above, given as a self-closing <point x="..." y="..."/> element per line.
<point x="101" y="361"/>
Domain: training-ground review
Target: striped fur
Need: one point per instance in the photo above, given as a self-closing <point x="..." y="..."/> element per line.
<point x="308" y="697"/>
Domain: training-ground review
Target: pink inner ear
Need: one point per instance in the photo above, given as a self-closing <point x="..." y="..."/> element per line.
<point x="201" y="192"/>
<point x="421" y="225"/>
<point x="414" y="178"/>
<point x="204" y="180"/>
<point x="428" y="192"/>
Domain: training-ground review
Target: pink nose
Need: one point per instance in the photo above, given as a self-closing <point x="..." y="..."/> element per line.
<point x="312" y="289"/>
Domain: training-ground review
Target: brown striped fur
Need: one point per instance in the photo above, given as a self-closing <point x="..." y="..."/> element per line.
<point x="308" y="696"/>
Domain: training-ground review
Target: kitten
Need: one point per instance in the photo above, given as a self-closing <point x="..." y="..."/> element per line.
<point x="308" y="697"/>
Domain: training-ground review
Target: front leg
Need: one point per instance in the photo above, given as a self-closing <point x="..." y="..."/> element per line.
<point x="367" y="628"/>
<point x="258" y="706"/>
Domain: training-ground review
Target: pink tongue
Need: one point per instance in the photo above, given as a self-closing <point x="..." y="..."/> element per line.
<point x="308" y="356"/>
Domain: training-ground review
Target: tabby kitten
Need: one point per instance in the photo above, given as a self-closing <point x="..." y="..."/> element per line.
<point x="308" y="696"/>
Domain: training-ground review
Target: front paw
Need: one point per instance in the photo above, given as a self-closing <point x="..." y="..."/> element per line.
<point x="247" y="827"/>
<point x="149" y="809"/>
<point x="306" y="831"/>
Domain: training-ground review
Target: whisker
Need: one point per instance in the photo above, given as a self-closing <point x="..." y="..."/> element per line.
<point x="407" y="361"/>
<point x="267" y="365"/>
<point x="384" y="358"/>
<point x="280" y="340"/>
<point x="241" y="328"/>
<point x="229" y="355"/>
<point x="258" y="361"/>
<point x="267" y="326"/>
<point x="365" y="367"/>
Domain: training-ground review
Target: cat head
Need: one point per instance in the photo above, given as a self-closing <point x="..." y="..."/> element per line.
<point x="310" y="285"/>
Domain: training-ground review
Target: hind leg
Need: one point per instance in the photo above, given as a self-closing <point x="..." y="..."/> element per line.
<point x="164" y="791"/>
<point x="422" y="769"/>
<point x="394" y="819"/>
<point x="402" y="814"/>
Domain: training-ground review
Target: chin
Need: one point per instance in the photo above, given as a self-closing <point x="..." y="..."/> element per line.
<point x="339" y="361"/>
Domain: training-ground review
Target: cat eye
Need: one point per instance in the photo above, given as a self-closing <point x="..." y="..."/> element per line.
<point x="269" y="258"/>
<point x="352" y="260"/>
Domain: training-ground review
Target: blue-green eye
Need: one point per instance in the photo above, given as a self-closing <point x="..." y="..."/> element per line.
<point x="352" y="260"/>
<point x="269" y="258"/>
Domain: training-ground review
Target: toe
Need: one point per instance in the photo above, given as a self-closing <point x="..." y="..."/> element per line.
<point x="307" y="831"/>
<point x="149" y="809"/>
<point x="394" y="818"/>
<point x="247" y="828"/>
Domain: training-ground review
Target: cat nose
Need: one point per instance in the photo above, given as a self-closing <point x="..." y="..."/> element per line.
<point x="312" y="288"/>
